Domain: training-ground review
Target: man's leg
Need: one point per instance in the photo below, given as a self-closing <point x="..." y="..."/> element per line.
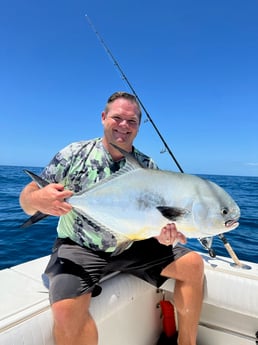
<point x="188" y="295"/>
<point x="73" y="324"/>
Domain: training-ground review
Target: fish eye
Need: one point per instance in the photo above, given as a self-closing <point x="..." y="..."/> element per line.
<point x="224" y="211"/>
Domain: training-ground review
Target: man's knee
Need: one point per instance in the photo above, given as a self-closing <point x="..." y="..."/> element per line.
<point x="73" y="323"/>
<point x="67" y="310"/>
<point x="193" y="266"/>
<point x="196" y="262"/>
<point x="188" y="267"/>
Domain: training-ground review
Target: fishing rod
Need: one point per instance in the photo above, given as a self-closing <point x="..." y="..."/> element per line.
<point x="205" y="242"/>
<point x="116" y="64"/>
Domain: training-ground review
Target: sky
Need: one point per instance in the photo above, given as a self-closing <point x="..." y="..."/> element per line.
<point x="193" y="65"/>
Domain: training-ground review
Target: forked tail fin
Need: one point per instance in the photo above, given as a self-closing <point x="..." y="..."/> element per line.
<point x="38" y="215"/>
<point x="34" y="219"/>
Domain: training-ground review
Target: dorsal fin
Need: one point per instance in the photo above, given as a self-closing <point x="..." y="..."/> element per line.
<point x="130" y="159"/>
<point x="131" y="164"/>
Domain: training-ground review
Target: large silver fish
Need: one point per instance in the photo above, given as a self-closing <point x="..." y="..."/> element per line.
<point x="137" y="202"/>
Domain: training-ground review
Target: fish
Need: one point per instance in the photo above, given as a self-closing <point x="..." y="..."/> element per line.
<point x="136" y="203"/>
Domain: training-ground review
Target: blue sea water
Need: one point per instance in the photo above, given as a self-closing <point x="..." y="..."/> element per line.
<point x="19" y="245"/>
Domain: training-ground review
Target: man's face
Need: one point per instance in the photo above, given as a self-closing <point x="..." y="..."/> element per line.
<point x="121" y="123"/>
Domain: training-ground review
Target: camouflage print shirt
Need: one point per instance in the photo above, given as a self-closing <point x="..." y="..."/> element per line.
<point x="78" y="166"/>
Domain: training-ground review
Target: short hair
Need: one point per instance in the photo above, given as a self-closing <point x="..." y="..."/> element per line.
<point x="125" y="95"/>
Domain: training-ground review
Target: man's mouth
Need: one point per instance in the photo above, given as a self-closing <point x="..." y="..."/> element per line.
<point x="122" y="135"/>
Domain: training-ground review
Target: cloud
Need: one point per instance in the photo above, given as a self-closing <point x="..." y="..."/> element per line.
<point x="252" y="164"/>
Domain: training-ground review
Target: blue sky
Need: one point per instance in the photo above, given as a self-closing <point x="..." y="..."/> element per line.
<point x="193" y="64"/>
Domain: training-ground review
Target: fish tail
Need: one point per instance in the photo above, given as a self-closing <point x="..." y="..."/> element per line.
<point x="33" y="219"/>
<point x="38" y="215"/>
<point x="39" y="180"/>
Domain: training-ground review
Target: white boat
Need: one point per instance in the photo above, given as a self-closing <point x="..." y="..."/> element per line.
<point x="127" y="310"/>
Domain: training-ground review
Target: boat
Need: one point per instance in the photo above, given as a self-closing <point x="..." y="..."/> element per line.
<point x="128" y="311"/>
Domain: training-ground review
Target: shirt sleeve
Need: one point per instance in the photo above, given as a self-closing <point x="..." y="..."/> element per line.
<point x="59" y="167"/>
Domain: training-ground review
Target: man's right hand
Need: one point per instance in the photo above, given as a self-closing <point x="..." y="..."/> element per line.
<point x="50" y="199"/>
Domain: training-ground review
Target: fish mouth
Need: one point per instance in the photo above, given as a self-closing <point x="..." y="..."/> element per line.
<point x="231" y="224"/>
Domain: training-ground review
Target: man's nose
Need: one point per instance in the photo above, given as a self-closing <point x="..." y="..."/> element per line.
<point x="124" y="122"/>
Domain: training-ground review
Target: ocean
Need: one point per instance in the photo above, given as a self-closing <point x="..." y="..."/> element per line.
<point x="19" y="245"/>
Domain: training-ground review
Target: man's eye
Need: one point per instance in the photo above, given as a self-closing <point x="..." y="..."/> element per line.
<point x="131" y="122"/>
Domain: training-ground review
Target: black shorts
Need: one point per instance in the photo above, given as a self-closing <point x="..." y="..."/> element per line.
<point x="74" y="270"/>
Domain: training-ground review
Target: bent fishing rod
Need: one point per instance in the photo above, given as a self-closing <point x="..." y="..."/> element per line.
<point x="205" y="242"/>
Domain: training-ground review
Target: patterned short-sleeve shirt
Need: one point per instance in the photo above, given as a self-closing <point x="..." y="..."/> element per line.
<point x="78" y="166"/>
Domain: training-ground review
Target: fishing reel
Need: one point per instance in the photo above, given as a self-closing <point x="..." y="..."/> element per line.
<point x="206" y="243"/>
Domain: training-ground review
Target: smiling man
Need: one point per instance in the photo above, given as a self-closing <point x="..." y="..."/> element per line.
<point x="82" y="253"/>
<point x="121" y="121"/>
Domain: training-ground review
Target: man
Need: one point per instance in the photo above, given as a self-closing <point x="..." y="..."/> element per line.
<point x="82" y="253"/>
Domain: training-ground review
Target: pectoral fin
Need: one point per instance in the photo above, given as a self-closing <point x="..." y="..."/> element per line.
<point x="172" y="213"/>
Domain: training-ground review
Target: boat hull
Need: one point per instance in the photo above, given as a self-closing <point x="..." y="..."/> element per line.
<point x="127" y="310"/>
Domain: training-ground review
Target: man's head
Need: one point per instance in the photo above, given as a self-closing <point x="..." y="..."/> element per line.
<point x="124" y="95"/>
<point x="121" y="120"/>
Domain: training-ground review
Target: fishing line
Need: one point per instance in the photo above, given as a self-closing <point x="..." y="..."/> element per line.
<point x="167" y="148"/>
